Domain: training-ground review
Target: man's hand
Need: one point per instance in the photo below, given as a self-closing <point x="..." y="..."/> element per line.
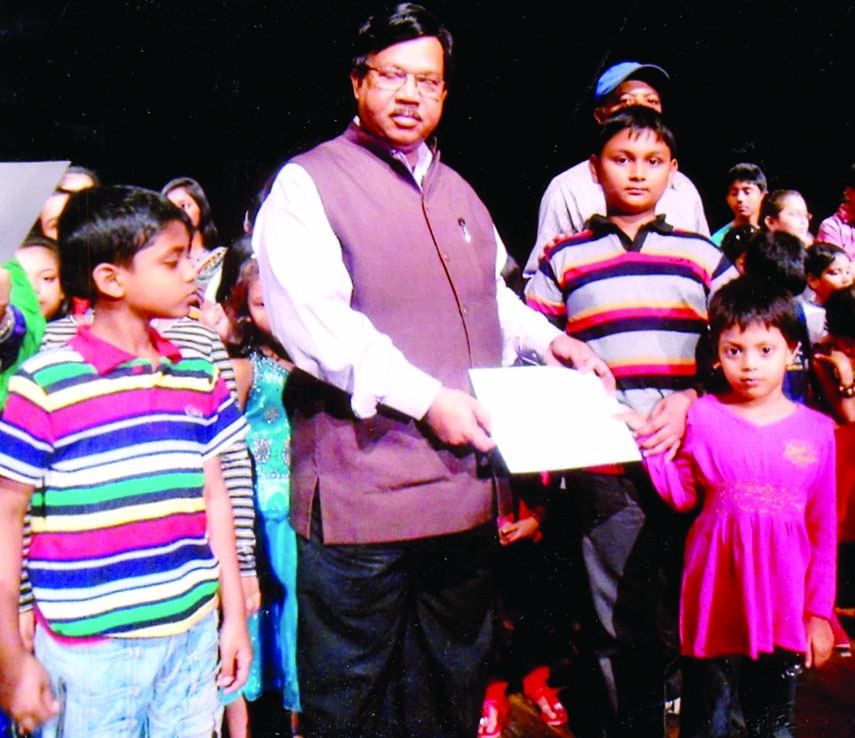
<point x="459" y="419"/>
<point x="666" y="425"/>
<point x="235" y="655"/>
<point x="567" y="351"/>
<point x="820" y="641"/>
<point x="27" y="697"/>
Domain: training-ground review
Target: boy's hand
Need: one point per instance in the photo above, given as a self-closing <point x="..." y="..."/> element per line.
<point x="568" y="351"/>
<point x="27" y="628"/>
<point x="511" y="531"/>
<point x="663" y="432"/>
<point x="251" y="594"/>
<point x="28" y="699"/>
<point x="5" y="290"/>
<point x="235" y="655"/>
<point x="820" y="641"/>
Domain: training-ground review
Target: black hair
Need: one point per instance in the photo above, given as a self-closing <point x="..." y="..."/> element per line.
<point x="840" y="313"/>
<point x="108" y="225"/>
<point x="746" y="172"/>
<point x="778" y="257"/>
<point x="773" y="204"/>
<point x="747" y="300"/>
<point x="236" y="256"/>
<point x="735" y="242"/>
<point x="636" y="118"/>
<point x="210" y="235"/>
<point x="820" y="256"/>
<point x="35" y="240"/>
<point x="394" y="24"/>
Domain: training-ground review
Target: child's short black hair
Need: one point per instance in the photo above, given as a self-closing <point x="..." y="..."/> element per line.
<point x="747" y="172"/>
<point x="779" y="257"/>
<point x="821" y="255"/>
<point x="108" y="225"/>
<point x="774" y="202"/>
<point x="747" y="300"/>
<point x="637" y="118"/>
<point x="735" y="241"/>
<point x="840" y="313"/>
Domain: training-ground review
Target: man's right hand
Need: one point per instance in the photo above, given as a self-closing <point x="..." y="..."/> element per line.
<point x="28" y="698"/>
<point x="459" y="419"/>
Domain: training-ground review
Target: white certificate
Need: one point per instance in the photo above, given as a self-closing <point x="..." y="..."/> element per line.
<point x="548" y="417"/>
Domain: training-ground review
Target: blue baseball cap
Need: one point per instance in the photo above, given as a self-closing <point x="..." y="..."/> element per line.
<point x="615" y="75"/>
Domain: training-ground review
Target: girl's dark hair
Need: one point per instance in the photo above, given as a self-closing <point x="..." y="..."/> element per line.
<point x="778" y="257"/>
<point x="840" y="313"/>
<point x="37" y="241"/>
<point x="773" y="204"/>
<point x="747" y="300"/>
<point x="820" y="256"/>
<point x="210" y="236"/>
<point x="108" y="225"/>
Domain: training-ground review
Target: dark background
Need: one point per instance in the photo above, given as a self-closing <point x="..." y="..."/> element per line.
<point x="226" y="90"/>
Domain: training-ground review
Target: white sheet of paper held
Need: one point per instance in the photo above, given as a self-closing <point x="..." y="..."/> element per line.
<point x="547" y="417"/>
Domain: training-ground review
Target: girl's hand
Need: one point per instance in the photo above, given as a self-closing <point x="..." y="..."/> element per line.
<point x="663" y="432"/>
<point x="820" y="641"/>
<point x="511" y="531"/>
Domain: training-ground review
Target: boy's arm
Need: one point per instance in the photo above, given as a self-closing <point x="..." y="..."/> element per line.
<point x="25" y="692"/>
<point x="235" y="648"/>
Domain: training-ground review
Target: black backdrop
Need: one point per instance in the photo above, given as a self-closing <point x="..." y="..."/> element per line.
<point x="225" y="90"/>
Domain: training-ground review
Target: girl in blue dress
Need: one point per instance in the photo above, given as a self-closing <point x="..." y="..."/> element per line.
<point x="261" y="377"/>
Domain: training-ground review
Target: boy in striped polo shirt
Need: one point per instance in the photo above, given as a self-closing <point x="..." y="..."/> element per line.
<point x="635" y="290"/>
<point x="113" y="439"/>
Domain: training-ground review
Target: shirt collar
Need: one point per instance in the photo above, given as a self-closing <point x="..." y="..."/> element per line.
<point x="105" y="356"/>
<point x="425" y="154"/>
<point x="601" y="226"/>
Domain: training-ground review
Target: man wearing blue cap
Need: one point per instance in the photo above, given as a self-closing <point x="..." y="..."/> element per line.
<point x="574" y="196"/>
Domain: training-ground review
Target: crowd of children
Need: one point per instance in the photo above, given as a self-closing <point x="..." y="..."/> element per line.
<point x="144" y="462"/>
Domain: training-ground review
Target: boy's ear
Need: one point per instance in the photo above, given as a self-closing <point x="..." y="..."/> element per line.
<point x="108" y="280"/>
<point x="674" y="167"/>
<point x="594" y="163"/>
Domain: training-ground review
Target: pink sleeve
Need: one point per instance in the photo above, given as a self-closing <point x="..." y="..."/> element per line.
<point x="675" y="480"/>
<point x="821" y="522"/>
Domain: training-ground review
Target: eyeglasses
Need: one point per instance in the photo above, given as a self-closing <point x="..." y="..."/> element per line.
<point x="393" y="78"/>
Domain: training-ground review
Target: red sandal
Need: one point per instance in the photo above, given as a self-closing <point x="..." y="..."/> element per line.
<point x="552" y="712"/>
<point x="494" y="712"/>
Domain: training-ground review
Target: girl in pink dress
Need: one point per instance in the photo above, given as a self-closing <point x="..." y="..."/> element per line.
<point x="759" y="577"/>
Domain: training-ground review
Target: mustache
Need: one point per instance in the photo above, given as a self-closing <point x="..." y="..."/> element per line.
<point x="409" y="110"/>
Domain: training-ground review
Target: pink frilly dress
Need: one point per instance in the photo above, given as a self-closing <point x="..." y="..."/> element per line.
<point x="761" y="555"/>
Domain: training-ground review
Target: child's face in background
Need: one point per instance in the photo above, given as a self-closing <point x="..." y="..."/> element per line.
<point x="744" y="198"/>
<point x="42" y="268"/>
<point x="181" y="198"/>
<point x="257" y="310"/>
<point x="634" y="168"/>
<point x="836" y="276"/>
<point x="794" y="218"/>
<point x="754" y="361"/>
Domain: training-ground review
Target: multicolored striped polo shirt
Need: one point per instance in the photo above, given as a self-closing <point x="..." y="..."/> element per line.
<point x="640" y="305"/>
<point x="115" y="448"/>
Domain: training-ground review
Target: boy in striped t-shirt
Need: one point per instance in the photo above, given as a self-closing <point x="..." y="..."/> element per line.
<point x="635" y="290"/>
<point x="113" y="441"/>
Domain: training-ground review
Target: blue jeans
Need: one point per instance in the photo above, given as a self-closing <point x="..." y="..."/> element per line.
<point x="395" y="638"/>
<point x="721" y="694"/>
<point x="136" y="687"/>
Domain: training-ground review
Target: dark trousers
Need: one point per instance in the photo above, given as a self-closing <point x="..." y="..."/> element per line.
<point x="394" y="639"/>
<point x="714" y="690"/>
<point x="629" y="548"/>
